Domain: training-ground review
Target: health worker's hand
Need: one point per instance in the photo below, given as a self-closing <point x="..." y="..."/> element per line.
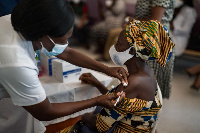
<point x="108" y="101"/>
<point x="118" y="72"/>
<point x="88" y="78"/>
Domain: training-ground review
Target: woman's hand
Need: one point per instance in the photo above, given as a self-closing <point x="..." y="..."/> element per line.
<point x="88" y="78"/>
<point x="108" y="101"/>
<point x="118" y="72"/>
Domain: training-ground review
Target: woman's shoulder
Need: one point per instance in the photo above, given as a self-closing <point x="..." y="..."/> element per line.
<point x="141" y="80"/>
<point x="140" y="84"/>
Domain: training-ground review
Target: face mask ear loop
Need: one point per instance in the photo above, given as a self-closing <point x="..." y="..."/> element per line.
<point x="51" y="40"/>
<point x="41" y="44"/>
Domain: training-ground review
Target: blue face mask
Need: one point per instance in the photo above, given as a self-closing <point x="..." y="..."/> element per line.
<point x="56" y="50"/>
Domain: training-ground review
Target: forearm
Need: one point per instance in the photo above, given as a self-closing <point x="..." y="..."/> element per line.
<point x="102" y="88"/>
<point x="46" y="111"/>
<point x="156" y="14"/>
<point x="101" y="11"/>
<point x="74" y="57"/>
<point x="83" y="19"/>
<point x="68" y="108"/>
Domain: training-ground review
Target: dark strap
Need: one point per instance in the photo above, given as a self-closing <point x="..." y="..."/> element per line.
<point x="77" y="127"/>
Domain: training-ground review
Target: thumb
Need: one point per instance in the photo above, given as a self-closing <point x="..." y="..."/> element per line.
<point x="84" y="78"/>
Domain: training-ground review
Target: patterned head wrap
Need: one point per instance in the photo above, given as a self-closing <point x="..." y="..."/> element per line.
<point x="150" y="40"/>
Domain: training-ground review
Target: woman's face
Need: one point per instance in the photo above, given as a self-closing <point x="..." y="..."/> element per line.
<point x="121" y="52"/>
<point x="122" y="43"/>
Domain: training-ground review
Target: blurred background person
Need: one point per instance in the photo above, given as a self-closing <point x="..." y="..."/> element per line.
<point x="194" y="71"/>
<point x="81" y="30"/>
<point x="194" y="40"/>
<point x="114" y="32"/>
<point x="161" y="10"/>
<point x="113" y="18"/>
<point x="184" y="18"/>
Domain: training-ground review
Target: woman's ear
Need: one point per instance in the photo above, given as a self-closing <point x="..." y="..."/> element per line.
<point x="132" y="51"/>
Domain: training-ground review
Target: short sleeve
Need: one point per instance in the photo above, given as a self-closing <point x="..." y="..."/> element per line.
<point x="162" y="3"/>
<point x="23" y="85"/>
<point x="106" y="118"/>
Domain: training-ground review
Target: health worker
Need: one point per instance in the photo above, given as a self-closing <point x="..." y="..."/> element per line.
<point x="46" y="25"/>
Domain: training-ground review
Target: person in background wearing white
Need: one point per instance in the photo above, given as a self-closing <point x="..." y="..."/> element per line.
<point x="182" y="25"/>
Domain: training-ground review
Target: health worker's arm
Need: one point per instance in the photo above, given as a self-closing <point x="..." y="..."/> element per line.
<point x="46" y="111"/>
<point x="25" y="89"/>
<point x="74" y="57"/>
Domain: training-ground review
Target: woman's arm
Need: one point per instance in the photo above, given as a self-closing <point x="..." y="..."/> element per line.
<point x="88" y="78"/>
<point x="74" y="57"/>
<point x="101" y="10"/>
<point x="83" y="17"/>
<point x="90" y="120"/>
<point x="102" y="88"/>
<point x="156" y="14"/>
<point x="83" y="20"/>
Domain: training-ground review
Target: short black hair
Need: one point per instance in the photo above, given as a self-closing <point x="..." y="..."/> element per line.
<point x="37" y="18"/>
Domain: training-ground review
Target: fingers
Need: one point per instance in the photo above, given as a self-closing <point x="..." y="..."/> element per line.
<point x="84" y="80"/>
<point x="117" y="98"/>
<point x="123" y="76"/>
<point x="85" y="75"/>
<point x="127" y="74"/>
<point x="122" y="96"/>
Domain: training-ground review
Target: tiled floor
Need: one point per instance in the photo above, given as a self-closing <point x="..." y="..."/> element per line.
<point x="181" y="113"/>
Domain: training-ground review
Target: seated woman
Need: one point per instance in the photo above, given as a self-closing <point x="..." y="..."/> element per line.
<point x="138" y="111"/>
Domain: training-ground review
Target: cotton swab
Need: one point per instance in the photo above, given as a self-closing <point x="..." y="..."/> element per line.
<point x="118" y="98"/>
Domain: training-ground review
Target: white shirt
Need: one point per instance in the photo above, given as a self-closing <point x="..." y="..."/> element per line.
<point x="18" y="68"/>
<point x="183" y="24"/>
<point x="18" y="80"/>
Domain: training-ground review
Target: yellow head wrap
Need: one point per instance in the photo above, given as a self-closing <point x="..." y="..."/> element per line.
<point x="150" y="40"/>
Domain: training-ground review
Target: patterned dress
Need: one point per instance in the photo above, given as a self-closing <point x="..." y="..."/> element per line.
<point x="163" y="74"/>
<point x="132" y="115"/>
